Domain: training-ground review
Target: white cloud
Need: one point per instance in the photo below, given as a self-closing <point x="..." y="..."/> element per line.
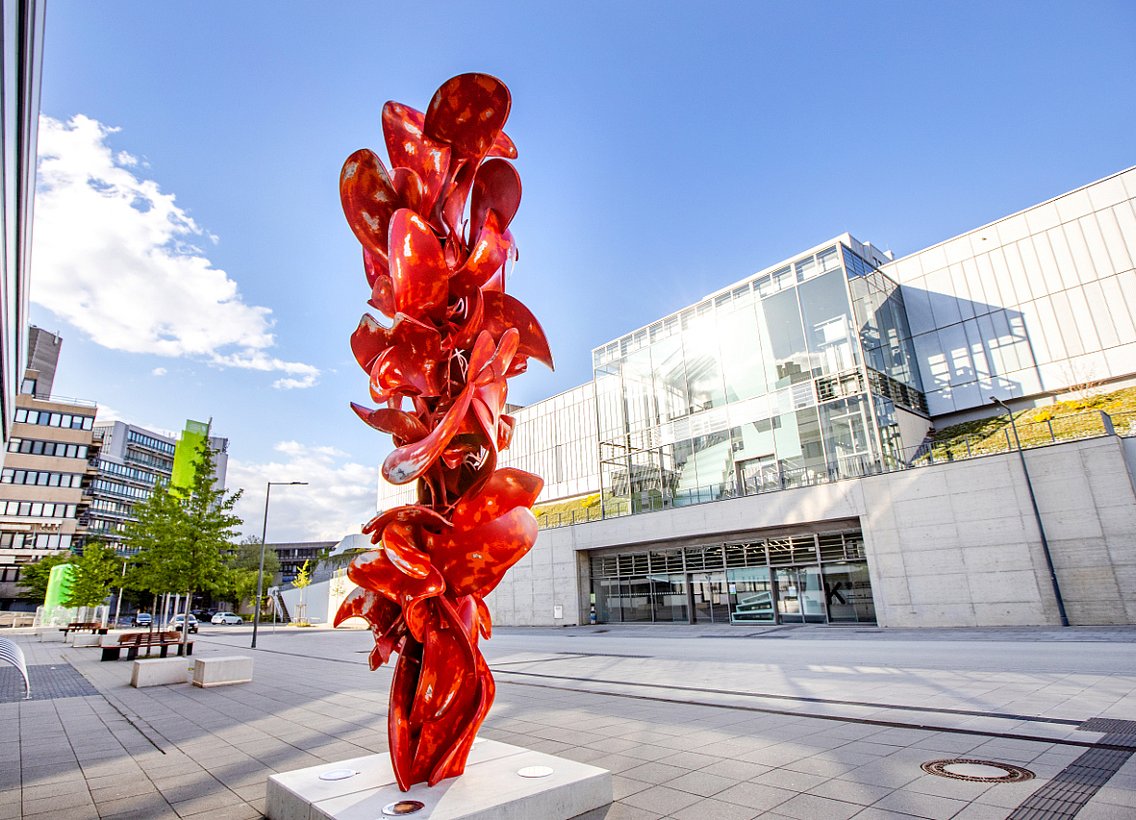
<point x="117" y="257"/>
<point x="158" y="371"/>
<point x="338" y="500"/>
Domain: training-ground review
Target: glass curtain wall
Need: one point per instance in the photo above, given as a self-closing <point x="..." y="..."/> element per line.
<point x="762" y="387"/>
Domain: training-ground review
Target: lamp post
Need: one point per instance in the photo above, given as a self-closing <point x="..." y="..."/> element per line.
<point x="263" y="539"/>
<point x="1036" y="515"/>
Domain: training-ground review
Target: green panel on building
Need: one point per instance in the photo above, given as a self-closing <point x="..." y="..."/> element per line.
<point x="58" y="585"/>
<point x="185" y="454"/>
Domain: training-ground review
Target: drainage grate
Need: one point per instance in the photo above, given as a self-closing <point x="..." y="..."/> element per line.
<point x="48" y="682"/>
<point x="977" y="771"/>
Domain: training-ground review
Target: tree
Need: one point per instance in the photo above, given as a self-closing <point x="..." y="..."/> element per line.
<point x="244" y="568"/>
<point x="96" y="571"/>
<point x="184" y="535"/>
<point x="301" y="582"/>
<point x="35" y="577"/>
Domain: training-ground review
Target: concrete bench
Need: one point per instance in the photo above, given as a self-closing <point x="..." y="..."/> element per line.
<point x="87" y="640"/>
<point x="223" y="670"/>
<point x="159" y="672"/>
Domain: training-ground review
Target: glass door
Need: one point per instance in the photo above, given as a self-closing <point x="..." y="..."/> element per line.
<point x="800" y="595"/>
<point x="709" y="598"/>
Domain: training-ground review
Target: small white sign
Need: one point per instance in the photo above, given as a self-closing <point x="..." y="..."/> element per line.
<point x="733" y="589"/>
<point x="558" y="612"/>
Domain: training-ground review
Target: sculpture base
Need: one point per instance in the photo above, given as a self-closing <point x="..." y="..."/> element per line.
<point x="501" y="781"/>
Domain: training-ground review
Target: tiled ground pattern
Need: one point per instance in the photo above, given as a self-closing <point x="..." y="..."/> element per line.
<point x="47" y="682"/>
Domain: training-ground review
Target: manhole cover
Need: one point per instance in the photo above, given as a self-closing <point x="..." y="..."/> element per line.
<point x="977" y="771"/>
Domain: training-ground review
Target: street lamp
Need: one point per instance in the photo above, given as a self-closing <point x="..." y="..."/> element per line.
<point x="263" y="539"/>
<point x="1036" y="515"/>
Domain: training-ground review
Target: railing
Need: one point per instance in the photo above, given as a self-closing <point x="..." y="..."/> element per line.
<point x="1089" y="424"/>
<point x="17" y="619"/>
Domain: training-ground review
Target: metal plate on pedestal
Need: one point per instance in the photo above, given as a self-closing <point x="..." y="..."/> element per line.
<point x="338" y="774"/>
<point x="403" y="808"/>
<point x="534" y="771"/>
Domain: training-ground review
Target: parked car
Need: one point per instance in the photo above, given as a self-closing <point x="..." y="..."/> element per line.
<point x="176" y="623"/>
<point x="142" y="619"/>
<point x="227" y="618"/>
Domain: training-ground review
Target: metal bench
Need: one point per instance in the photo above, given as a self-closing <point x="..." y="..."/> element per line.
<point x="11" y="653"/>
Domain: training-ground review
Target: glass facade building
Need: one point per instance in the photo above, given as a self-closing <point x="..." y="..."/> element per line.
<point x="797" y="375"/>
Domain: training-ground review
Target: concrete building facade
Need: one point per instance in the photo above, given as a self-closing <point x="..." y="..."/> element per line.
<point x="43" y="483"/>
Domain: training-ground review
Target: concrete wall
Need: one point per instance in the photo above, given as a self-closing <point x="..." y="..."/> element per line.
<point x="948" y="545"/>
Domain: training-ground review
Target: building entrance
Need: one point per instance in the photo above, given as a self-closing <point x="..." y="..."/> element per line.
<point x="807" y="578"/>
<point x="800" y="598"/>
<point x="709" y="598"/>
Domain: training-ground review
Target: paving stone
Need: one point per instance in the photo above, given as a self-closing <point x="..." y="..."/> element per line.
<point x="711" y="809"/>
<point x="660" y="799"/>
<point x="755" y="795"/>
<point x="701" y="783"/>
<point x="920" y="805"/>
<point x="814" y="807"/>
<point x="655" y="772"/>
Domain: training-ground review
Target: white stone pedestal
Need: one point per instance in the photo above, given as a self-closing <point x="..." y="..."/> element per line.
<point x="490" y="788"/>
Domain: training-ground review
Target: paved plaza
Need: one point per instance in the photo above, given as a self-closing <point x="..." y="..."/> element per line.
<point x="695" y="723"/>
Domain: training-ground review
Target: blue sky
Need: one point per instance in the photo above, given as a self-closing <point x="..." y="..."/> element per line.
<point x="666" y="150"/>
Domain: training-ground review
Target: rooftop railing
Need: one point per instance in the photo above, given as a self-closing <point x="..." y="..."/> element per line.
<point x="1039" y="433"/>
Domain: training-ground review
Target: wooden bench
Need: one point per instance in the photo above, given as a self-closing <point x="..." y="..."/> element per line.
<point x="94" y="627"/>
<point x="133" y="642"/>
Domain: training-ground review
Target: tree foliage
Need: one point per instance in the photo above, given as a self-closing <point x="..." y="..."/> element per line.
<point x="96" y="571"/>
<point x="35" y="577"/>
<point x="244" y="567"/>
<point x="184" y="535"/>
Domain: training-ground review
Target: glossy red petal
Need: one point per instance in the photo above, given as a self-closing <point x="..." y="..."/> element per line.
<point x="507" y="488"/>
<point x="447" y="663"/>
<point x="410" y="188"/>
<point x="374" y="267"/>
<point x="377" y="611"/>
<point x="409" y="462"/>
<point x="503" y="147"/>
<point x="496" y="187"/>
<point x="407" y="514"/>
<point x="417" y="267"/>
<point x="487" y="255"/>
<point x="468" y="112"/>
<point x="484" y="619"/>
<point x="401" y="425"/>
<point x="475" y="559"/>
<point x="453" y="207"/>
<point x="401" y="551"/>
<point x="368" y="341"/>
<point x="502" y="311"/>
<point x="368" y="199"/>
<point x="408" y="147"/>
<point x="505" y="426"/>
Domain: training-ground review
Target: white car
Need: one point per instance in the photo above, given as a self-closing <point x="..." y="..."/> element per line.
<point x="227" y="618"/>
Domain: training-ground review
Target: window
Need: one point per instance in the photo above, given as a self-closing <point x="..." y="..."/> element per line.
<point x="58" y="449"/>
<point x="46" y="418"/>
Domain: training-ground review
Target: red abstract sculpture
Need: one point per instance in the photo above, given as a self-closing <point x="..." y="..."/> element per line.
<point x="436" y="268"/>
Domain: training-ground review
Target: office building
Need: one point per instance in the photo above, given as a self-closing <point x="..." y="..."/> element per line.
<point x="763" y="456"/>
<point x="132" y="461"/>
<point x="47" y="470"/>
